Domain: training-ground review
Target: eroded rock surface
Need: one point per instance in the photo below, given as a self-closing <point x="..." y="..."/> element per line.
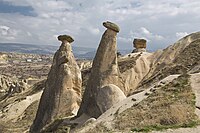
<point x="62" y="93"/>
<point x="104" y="71"/>
<point x="108" y="96"/>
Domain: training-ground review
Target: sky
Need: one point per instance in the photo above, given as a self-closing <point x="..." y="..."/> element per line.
<point x="39" y="22"/>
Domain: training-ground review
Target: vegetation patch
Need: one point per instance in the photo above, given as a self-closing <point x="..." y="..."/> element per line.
<point x="172" y="106"/>
<point x="161" y="127"/>
<point x="100" y="128"/>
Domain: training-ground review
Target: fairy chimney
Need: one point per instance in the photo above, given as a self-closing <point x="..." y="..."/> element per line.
<point x="62" y="93"/>
<point x="104" y="71"/>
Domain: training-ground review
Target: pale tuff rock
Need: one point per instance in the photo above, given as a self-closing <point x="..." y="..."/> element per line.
<point x="62" y="93"/>
<point x="5" y="83"/>
<point x="12" y="85"/>
<point x="134" y="67"/>
<point x="104" y="71"/>
<point x="108" y="96"/>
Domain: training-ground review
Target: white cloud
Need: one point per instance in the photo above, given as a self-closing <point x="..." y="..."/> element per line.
<point x="181" y="34"/>
<point x="145" y="31"/>
<point x="94" y="31"/>
<point x="125" y="40"/>
<point x="7" y="33"/>
<point x="156" y="20"/>
<point x="4" y="30"/>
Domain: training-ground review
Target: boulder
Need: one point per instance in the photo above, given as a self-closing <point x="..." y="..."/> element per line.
<point x="139" y="43"/>
<point x="62" y="93"/>
<point x="108" y="96"/>
<point x="104" y="71"/>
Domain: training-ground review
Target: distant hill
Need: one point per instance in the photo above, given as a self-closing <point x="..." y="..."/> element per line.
<point x="79" y="52"/>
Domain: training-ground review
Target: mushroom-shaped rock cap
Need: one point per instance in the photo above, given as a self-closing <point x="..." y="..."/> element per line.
<point x="139" y="43"/>
<point x="65" y="37"/>
<point x="137" y="40"/>
<point x="111" y="26"/>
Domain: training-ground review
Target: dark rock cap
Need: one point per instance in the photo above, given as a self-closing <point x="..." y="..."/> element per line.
<point x="137" y="40"/>
<point x="139" y="43"/>
<point x="65" y="37"/>
<point x="111" y="26"/>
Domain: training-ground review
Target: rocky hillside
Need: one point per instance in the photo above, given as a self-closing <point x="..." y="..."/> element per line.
<point x="179" y="58"/>
<point x="168" y="104"/>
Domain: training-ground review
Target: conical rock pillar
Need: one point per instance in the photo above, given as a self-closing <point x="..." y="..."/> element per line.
<point x="62" y="93"/>
<point x="104" y="71"/>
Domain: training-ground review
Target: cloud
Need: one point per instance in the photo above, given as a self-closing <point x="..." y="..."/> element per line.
<point x="7" y="33"/>
<point x="158" y="21"/>
<point x="94" y="31"/>
<point x="181" y="34"/>
<point x="143" y="32"/>
<point x="125" y="40"/>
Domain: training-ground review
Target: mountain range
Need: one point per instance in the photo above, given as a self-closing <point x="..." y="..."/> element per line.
<point x="79" y="52"/>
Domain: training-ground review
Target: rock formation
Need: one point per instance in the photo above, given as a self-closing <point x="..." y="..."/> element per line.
<point x="140" y="45"/>
<point x="181" y="57"/>
<point x="11" y="85"/>
<point x="134" y="67"/>
<point x="62" y="93"/>
<point x="104" y="71"/>
<point x="17" y="87"/>
<point x="108" y="96"/>
<point x="5" y="82"/>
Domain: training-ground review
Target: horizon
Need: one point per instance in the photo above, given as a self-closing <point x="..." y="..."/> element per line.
<point x="160" y="22"/>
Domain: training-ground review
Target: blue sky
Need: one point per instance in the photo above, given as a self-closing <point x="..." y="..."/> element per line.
<point x="161" y="22"/>
<point x="6" y="7"/>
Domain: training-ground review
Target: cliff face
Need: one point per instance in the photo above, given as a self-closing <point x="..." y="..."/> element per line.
<point x="62" y="93"/>
<point x="181" y="57"/>
<point x="134" y="67"/>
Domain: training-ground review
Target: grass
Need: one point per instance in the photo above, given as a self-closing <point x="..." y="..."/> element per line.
<point x="172" y="106"/>
<point x="161" y="127"/>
